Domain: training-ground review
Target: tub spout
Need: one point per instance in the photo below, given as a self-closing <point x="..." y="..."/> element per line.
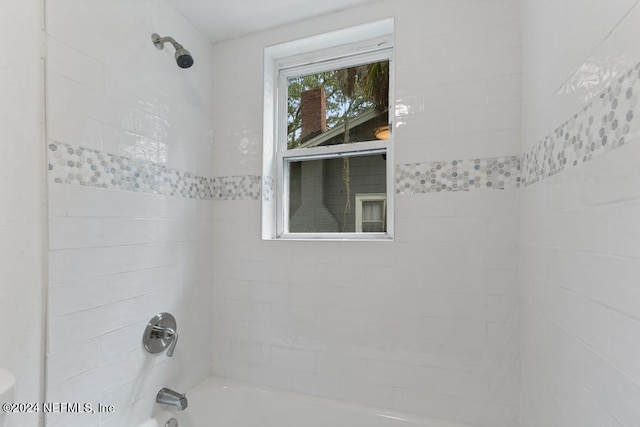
<point x="166" y="396"/>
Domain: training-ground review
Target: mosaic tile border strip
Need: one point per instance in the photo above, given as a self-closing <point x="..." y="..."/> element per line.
<point x="267" y="188"/>
<point x="608" y="122"/>
<point x="244" y="187"/>
<point x="493" y="173"/>
<point x="74" y="165"/>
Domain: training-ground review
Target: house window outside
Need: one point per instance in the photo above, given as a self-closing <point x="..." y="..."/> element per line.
<point x="330" y="113"/>
<point x="371" y="211"/>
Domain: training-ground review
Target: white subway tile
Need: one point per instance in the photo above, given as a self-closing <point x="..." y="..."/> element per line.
<point x="155" y="206"/>
<point x="486" y="13"/>
<point x="97" y="202"/>
<point x="506" y="34"/>
<point x="120" y="342"/>
<point x="454" y="331"/>
<point x="294" y="359"/>
<point x="612" y="282"/>
<point x="71" y="233"/>
<point x="366" y="393"/>
<point x="425" y="25"/>
<point x="73" y="361"/>
<point x="75" y="296"/>
<point x="615" y="390"/>
<point x="76" y="129"/>
<point x="121" y="370"/>
<point x="74" y="64"/>
<point x="623" y="349"/>
<point x="482" y="65"/>
<point x="247" y="351"/>
<point x="250" y="311"/>
<point x="57" y="199"/>
<point x="460" y="42"/>
<point x="130" y="231"/>
<point x="273" y="293"/>
<point x="157" y="255"/>
<point x="314" y="384"/>
<point x="270" y="376"/>
<point x="341" y="365"/>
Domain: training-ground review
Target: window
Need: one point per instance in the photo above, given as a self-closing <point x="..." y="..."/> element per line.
<point x="328" y="145"/>
<point x="371" y="211"/>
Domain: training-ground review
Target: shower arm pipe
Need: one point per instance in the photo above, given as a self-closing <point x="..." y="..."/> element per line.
<point x="160" y="41"/>
<point x="182" y="55"/>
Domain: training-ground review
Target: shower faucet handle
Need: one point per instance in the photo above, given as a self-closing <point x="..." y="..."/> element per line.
<point x="161" y="334"/>
<point x="169" y="334"/>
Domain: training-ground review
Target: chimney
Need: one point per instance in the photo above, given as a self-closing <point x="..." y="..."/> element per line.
<point x="313" y="110"/>
<point x="312" y="216"/>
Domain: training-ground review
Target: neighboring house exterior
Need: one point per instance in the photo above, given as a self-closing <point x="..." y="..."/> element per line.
<point x="318" y="189"/>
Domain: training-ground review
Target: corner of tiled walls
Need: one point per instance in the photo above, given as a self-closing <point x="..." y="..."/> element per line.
<point x="130" y="206"/>
<point x="579" y="208"/>
<point x="428" y="323"/>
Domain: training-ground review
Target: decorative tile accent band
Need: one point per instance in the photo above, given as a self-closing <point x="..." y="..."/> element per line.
<point x="246" y="187"/>
<point x="267" y="188"/>
<point x="83" y="166"/>
<point x="69" y="164"/>
<point x="494" y="173"/>
<point x="608" y="122"/>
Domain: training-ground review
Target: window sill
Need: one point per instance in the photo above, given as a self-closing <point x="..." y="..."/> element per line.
<point x="335" y="237"/>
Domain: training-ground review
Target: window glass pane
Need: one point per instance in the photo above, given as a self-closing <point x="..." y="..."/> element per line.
<point x="338" y="106"/>
<point x="372" y="211"/>
<point x="322" y="193"/>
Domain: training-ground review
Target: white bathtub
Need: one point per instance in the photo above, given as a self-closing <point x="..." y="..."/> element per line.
<point x="219" y="402"/>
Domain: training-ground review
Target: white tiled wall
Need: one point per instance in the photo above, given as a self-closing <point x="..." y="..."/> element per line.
<point x="579" y="251"/>
<point x="22" y="215"/>
<point x="116" y="257"/>
<point x="427" y="323"/>
<point x="573" y="58"/>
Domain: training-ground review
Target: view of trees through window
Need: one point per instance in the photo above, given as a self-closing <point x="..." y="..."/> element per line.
<point x="348" y="94"/>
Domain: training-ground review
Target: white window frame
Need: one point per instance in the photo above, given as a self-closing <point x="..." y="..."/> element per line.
<point x="371" y="43"/>
<point x="369" y="197"/>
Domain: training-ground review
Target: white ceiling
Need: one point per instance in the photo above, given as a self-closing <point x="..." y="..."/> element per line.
<point x="221" y="20"/>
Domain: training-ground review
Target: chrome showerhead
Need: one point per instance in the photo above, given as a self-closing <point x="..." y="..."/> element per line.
<point x="183" y="56"/>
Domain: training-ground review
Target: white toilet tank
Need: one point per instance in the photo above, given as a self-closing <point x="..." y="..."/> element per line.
<point x="7" y="385"/>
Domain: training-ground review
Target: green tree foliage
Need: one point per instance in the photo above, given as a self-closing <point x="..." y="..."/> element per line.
<point x="349" y="92"/>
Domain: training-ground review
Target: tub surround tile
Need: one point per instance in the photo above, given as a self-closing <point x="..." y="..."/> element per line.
<point x="285" y="309"/>
<point x="69" y="164"/>
<point x="494" y="173"/>
<point x="578" y="288"/>
<point x="130" y="197"/>
<point x="606" y="123"/>
<point x="75" y="165"/>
